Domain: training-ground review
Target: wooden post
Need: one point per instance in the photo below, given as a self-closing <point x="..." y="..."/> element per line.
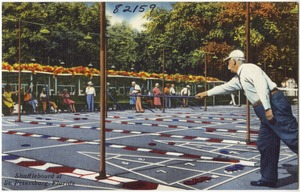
<point x="102" y="173"/>
<point x="205" y="83"/>
<point x="19" y="77"/>
<point x="163" y="79"/>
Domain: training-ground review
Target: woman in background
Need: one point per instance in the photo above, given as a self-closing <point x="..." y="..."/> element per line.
<point x="132" y="96"/>
<point x="156" y="92"/>
<point x="66" y="99"/>
<point x="7" y="100"/>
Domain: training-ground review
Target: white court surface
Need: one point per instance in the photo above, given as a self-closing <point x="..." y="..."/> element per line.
<point x="180" y="149"/>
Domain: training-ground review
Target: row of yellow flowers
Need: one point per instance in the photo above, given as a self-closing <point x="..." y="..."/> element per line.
<point x="89" y="72"/>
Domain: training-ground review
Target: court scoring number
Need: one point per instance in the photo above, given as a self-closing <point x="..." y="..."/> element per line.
<point x="139" y="8"/>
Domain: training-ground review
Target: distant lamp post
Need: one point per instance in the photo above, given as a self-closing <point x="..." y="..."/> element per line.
<point x="122" y="43"/>
<point x="285" y="67"/>
<point x="150" y="47"/>
<point x="163" y="69"/>
<point x="43" y="31"/>
<point x="214" y="58"/>
<point x="195" y="54"/>
<point x="263" y="66"/>
<point x="205" y="71"/>
<point x="175" y="51"/>
<point x="88" y="37"/>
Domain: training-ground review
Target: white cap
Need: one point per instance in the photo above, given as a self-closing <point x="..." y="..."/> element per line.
<point x="236" y="54"/>
<point x="188" y="86"/>
<point x="90" y="83"/>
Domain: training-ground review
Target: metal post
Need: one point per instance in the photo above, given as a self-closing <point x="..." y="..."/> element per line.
<point x="240" y="104"/>
<point x="205" y="83"/>
<point x="106" y="44"/>
<point x="102" y="173"/>
<point x="79" y="86"/>
<point x="49" y="84"/>
<point x="55" y="85"/>
<point x="19" y="77"/>
<point x="247" y="60"/>
<point x="163" y="80"/>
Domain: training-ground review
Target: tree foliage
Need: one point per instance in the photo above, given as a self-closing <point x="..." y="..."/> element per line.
<point x="180" y="33"/>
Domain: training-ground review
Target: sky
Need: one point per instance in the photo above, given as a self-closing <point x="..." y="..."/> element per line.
<point x="118" y="14"/>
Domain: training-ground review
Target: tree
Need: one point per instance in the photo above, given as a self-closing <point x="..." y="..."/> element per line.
<point x="216" y="27"/>
<point x="68" y="24"/>
<point x="273" y="27"/>
<point x="122" y="46"/>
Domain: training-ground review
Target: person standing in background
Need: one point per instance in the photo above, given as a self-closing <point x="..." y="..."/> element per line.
<point x="156" y="92"/>
<point x="138" y="104"/>
<point x="232" y="102"/>
<point x="90" y="96"/>
<point x="185" y="92"/>
<point x="167" y="95"/>
<point x="173" y="93"/>
<point x="132" y="96"/>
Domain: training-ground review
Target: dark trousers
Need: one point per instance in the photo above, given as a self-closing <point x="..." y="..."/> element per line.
<point x="284" y="127"/>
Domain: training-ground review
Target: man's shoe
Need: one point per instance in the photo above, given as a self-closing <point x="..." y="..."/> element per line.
<point x="261" y="183"/>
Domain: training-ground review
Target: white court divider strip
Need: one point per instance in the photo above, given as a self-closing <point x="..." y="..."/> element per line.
<point x="174" y="153"/>
<point x="46" y="166"/>
<point x="248" y="163"/>
<point x="117" y="146"/>
<point x="16" y="161"/>
<point x="144" y="150"/>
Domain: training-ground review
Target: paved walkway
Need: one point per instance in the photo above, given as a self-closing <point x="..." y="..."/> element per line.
<point x="180" y="149"/>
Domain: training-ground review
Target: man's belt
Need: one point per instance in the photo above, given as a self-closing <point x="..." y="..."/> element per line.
<point x="275" y="90"/>
<point x="257" y="103"/>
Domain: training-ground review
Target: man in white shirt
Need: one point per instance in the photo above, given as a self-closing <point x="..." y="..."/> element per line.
<point x="90" y="94"/>
<point x="138" y="104"/>
<point x="185" y="92"/>
<point x="272" y="108"/>
<point x="173" y="92"/>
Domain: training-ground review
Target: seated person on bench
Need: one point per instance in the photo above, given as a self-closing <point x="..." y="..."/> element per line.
<point x="7" y="100"/>
<point x="45" y="101"/>
<point x="28" y="99"/>
<point x="66" y="99"/>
